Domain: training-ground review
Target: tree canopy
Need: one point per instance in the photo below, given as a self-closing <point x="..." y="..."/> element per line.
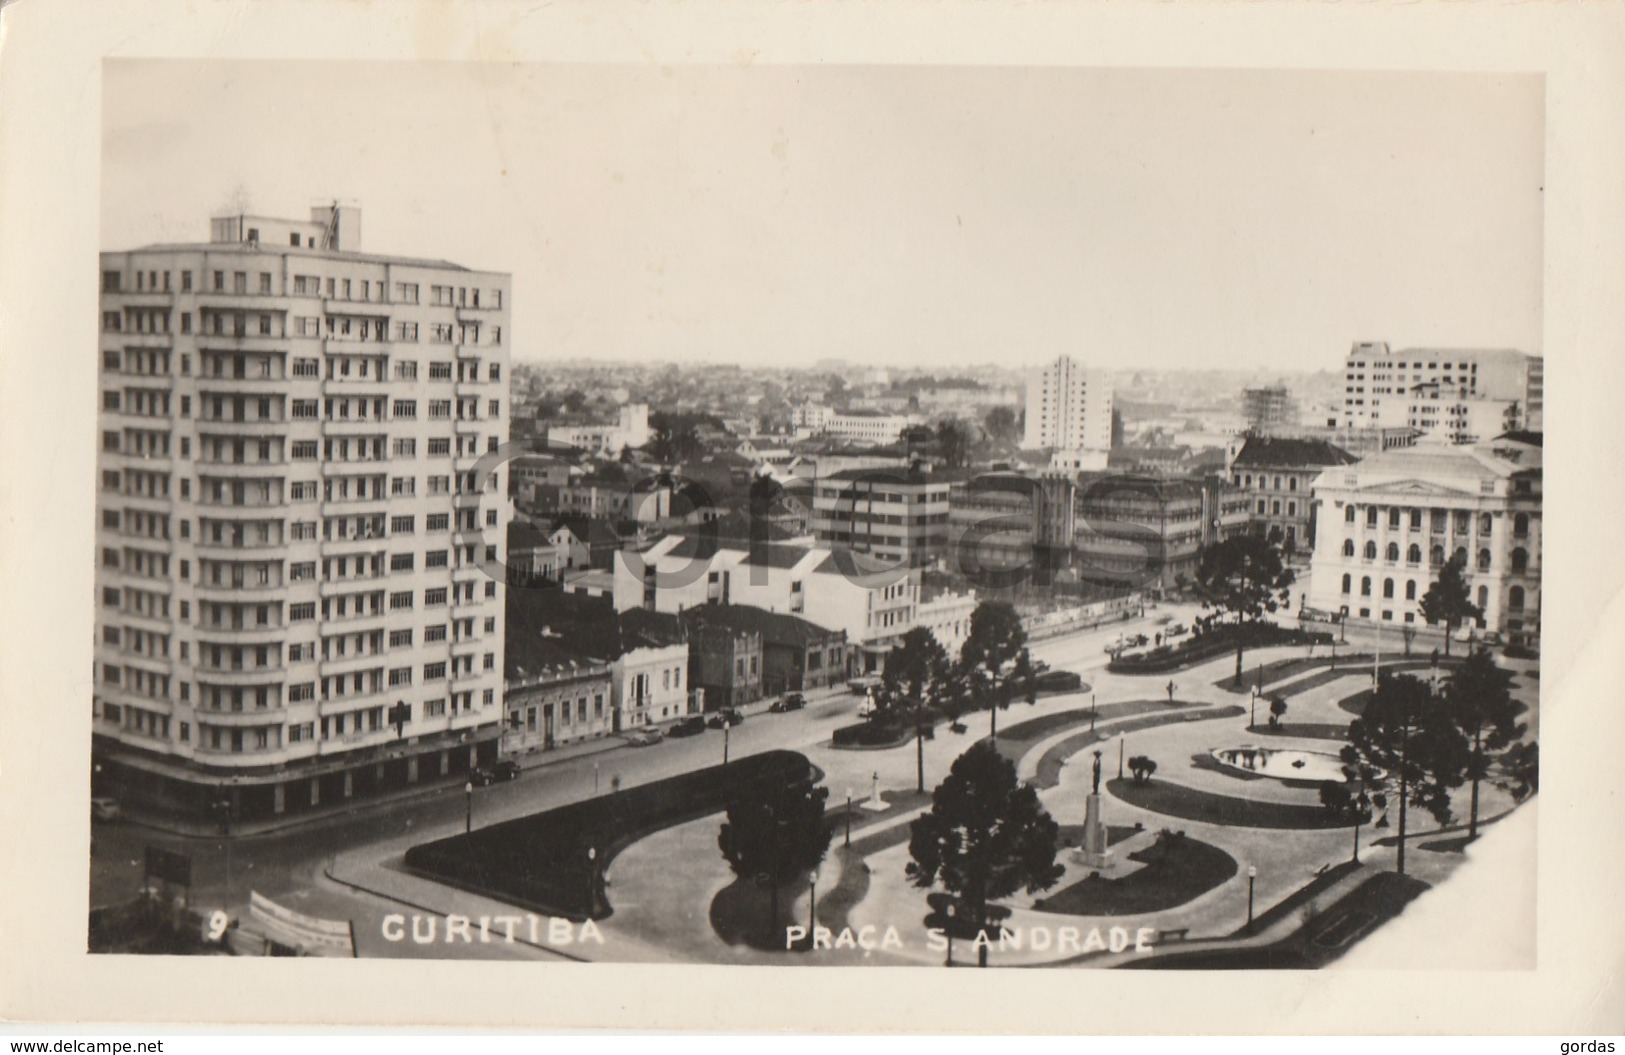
<point x="1406" y="742"/>
<point x="1245" y="576"/>
<point x="1478" y="696"/>
<point x="986" y="835"/>
<point x="1447" y="600"/>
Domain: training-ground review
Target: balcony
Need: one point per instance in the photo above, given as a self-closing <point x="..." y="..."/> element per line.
<point x="246" y="676"/>
<point x="255" y="428"/>
<point x="250" y="715"/>
<point x="337" y="666"/>
<point x="247" y="634"/>
<point x="251" y="588"/>
<point x="357" y="426"/>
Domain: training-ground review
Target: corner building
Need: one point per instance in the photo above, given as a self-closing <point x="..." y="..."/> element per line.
<point x="299" y="585"/>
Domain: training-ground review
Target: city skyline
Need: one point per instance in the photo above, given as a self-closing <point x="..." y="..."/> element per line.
<point x="786" y="214"/>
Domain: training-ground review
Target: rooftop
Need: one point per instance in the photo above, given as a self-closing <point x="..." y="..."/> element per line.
<point x="1273" y="452"/>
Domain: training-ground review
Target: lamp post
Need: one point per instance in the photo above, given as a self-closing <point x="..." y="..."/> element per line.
<point x="1122" y="746"/>
<point x="468" y="800"/>
<point x="1252" y="876"/>
<point x="1094" y="712"/>
<point x="595" y="776"/>
<point x="726" y="729"/>
<point x="949" y="962"/>
<point x="849" y="818"/>
<point x="1252" y="710"/>
<point x="592" y="880"/>
<point x="812" y="905"/>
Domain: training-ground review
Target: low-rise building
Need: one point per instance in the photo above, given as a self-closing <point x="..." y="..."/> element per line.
<point x="947" y="616"/>
<point x="1141" y="531"/>
<point x="1277" y="476"/>
<point x="873" y="603"/>
<point x="554" y="694"/>
<point x="797" y="655"/>
<point x="895" y="515"/>
<point x="1388" y="524"/>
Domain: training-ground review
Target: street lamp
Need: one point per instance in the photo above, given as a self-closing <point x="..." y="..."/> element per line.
<point x="726" y="729"/>
<point x="1252" y="710"/>
<point x="849" y="818"/>
<point x="1252" y="876"/>
<point x="950" y="961"/>
<point x="812" y="904"/>
<point x="468" y="798"/>
<point x="1122" y="746"/>
<point x="592" y="879"/>
<point x="1094" y="712"/>
<point x="595" y="776"/>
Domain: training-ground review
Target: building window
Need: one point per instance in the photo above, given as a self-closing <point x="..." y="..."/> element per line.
<point x="1365" y="586"/>
<point x="1348" y="516"/>
<point x="1410" y="589"/>
<point x="1515" y="599"/>
<point x="1520" y="525"/>
<point x="1388" y="588"/>
<point x="1520" y="561"/>
<point x="1370" y="550"/>
<point x="1393" y="552"/>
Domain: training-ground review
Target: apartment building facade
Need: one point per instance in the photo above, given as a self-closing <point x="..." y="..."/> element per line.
<point x="299" y="550"/>
<point x="896" y="516"/>
<point x="1277" y="478"/>
<point x="1465" y="395"/>
<point x="1069" y="408"/>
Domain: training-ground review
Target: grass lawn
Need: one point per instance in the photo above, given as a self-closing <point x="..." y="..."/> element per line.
<point x="1309" y="730"/>
<point x="1050" y="763"/>
<point x="1176" y="800"/>
<point x="1177" y="869"/>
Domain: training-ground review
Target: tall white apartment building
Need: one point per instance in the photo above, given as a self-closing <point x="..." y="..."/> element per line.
<point x="1069" y="408"/>
<point x="1466" y="395"/>
<point x="299" y="556"/>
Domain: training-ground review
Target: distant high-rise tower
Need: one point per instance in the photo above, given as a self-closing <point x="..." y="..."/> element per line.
<point x="299" y="578"/>
<point x="1069" y="408"/>
<point x="1269" y="408"/>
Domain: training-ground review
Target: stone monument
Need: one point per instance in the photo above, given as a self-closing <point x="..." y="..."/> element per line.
<point x="876" y="804"/>
<point x="1095" y="852"/>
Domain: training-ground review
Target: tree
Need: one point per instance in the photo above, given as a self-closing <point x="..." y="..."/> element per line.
<point x="953" y="442"/>
<point x="1520" y="767"/>
<point x="1277" y="710"/>
<point x="917" y="672"/>
<point x="985" y="837"/>
<point x="1479" y="698"/>
<point x="672" y="442"/>
<point x="1001" y="423"/>
<point x="1142" y="767"/>
<point x="995" y="640"/>
<point x="776" y="838"/>
<point x="1407" y="743"/>
<point x="1447" y="600"/>
<point x="1245" y="576"/>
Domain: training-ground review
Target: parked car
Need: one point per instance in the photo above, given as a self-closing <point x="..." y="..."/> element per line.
<point x="692" y="726"/>
<point x="793" y="702"/>
<point x="1177" y="630"/>
<point x="505" y="769"/>
<point x="104" y="808"/>
<point x="643" y="736"/>
<point x="725" y="717"/>
<point x="867" y="683"/>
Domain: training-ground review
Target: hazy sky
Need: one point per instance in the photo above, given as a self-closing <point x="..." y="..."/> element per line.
<point x="887" y="214"/>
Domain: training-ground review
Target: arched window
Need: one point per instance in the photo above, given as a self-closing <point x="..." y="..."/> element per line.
<point x="1388" y="588"/>
<point x="1460" y="555"/>
<point x="1347" y="582"/>
<point x="1275" y="508"/>
<point x="1292" y="484"/>
<point x="1292" y="509"/>
<point x="1414" y="554"/>
<point x="1393" y="551"/>
<point x="1277" y="483"/>
<point x="1485" y="522"/>
<point x="1483" y="597"/>
<point x="1365" y="586"/>
<point x="1410" y="589"/>
<point x="1436" y="556"/>
<point x="1348" y="514"/>
<point x="1520" y="561"/>
<point x="1348" y="547"/>
<point x="1370" y="551"/>
<point x="1515" y="599"/>
<point x="1483" y="560"/>
<point x="1520" y="525"/>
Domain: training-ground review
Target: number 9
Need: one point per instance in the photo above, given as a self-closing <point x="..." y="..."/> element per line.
<point x="217" y="925"/>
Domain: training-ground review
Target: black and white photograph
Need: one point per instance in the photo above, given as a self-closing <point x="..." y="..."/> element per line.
<point x="504" y="556"/>
<point x="836" y="517"/>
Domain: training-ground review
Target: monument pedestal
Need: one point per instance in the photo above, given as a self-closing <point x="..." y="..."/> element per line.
<point x="1095" y="852"/>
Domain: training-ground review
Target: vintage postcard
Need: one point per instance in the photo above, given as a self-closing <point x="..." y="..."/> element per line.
<point x="967" y="519"/>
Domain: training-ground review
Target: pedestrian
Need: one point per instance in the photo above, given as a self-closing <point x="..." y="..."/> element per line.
<point x="1170" y="690"/>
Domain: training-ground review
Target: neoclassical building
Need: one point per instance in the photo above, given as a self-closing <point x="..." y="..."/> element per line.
<point x="1388" y="523"/>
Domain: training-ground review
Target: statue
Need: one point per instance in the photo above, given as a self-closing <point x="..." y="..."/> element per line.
<point x="1097" y="772"/>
